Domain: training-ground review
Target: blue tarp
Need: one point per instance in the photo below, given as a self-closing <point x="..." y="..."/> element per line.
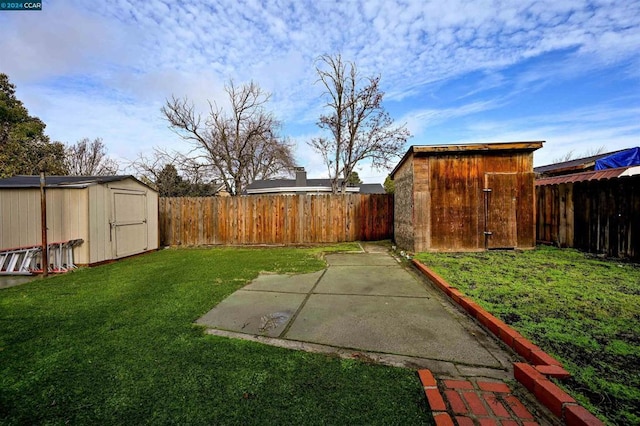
<point x="626" y="158"/>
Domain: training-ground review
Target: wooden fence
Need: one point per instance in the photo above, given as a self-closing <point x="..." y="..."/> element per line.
<point x="600" y="216"/>
<point x="275" y="219"/>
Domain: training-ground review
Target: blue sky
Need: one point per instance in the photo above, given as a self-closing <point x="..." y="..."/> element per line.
<point x="455" y="71"/>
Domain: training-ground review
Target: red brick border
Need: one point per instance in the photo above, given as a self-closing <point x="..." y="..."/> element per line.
<point x="553" y="371"/>
<point x="533" y="377"/>
<point x="442" y="419"/>
<point x="473" y="402"/>
<point x="577" y="415"/>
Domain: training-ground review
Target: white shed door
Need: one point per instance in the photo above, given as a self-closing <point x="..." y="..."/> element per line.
<point x="129" y="224"/>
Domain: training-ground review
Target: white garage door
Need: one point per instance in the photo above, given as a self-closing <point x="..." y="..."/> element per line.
<point x="129" y="225"/>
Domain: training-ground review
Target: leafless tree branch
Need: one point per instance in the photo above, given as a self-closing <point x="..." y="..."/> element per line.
<point x="240" y="146"/>
<point x="89" y="158"/>
<point x="360" y="127"/>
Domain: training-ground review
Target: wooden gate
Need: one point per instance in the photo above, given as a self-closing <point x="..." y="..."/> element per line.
<point x="500" y="201"/>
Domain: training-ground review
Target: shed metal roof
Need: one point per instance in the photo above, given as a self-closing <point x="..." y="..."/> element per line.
<point x="23" y="181"/>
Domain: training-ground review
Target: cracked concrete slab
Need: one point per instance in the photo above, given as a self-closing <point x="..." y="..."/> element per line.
<point x="302" y="283"/>
<point x="398" y="325"/>
<point x="361" y="259"/>
<point x="254" y="312"/>
<point x="366" y="302"/>
<point x="370" y="280"/>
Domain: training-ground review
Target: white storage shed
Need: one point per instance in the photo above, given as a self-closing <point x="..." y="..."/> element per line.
<point x="115" y="216"/>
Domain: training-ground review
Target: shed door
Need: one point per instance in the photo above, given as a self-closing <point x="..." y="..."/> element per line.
<point x="500" y="210"/>
<point x="129" y="224"/>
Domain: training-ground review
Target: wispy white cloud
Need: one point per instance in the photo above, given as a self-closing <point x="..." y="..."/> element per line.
<point x="580" y="130"/>
<point x="105" y="68"/>
<point x="418" y="121"/>
<point x="60" y="40"/>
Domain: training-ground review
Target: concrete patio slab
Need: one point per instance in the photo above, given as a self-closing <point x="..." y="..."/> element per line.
<point x="7" y="281"/>
<point x="366" y="302"/>
<point x="361" y="259"/>
<point x="369" y="306"/>
<point x="254" y="312"/>
<point x="370" y="280"/>
<point x="302" y="283"/>
<point x="398" y="325"/>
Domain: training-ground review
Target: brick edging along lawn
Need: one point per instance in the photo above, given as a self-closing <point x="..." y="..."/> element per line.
<point x="532" y="376"/>
<point x="472" y="402"/>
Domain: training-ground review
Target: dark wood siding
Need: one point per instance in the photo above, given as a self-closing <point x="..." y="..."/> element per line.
<point x="501" y="206"/>
<point x="599" y="216"/>
<point x="449" y="210"/>
<point x="455" y="201"/>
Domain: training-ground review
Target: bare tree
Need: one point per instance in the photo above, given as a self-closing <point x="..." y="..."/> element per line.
<point x="359" y="126"/>
<point x="89" y="158"/>
<point x="571" y="155"/>
<point x="240" y="146"/>
<point x="174" y="174"/>
<point x="148" y="168"/>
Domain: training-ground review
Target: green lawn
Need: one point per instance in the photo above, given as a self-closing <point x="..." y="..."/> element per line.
<point x="116" y="344"/>
<point x="583" y="310"/>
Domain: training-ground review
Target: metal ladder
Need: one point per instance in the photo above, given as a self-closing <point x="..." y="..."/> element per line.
<point x="28" y="260"/>
<point x="19" y="261"/>
<point x="61" y="255"/>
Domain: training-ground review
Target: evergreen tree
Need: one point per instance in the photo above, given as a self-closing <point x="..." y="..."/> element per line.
<point x="354" y="179"/>
<point x="170" y="183"/>
<point x="24" y="148"/>
<point x="389" y="185"/>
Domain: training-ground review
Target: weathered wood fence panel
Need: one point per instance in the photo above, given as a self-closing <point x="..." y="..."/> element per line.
<point x="599" y="216"/>
<point x="275" y="219"/>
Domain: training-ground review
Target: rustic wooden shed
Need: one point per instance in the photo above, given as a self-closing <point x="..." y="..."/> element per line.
<point x="465" y="197"/>
<point x="115" y="216"/>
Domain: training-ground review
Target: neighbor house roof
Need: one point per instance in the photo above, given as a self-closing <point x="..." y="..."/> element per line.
<point x="576" y="165"/>
<point x="272" y="186"/>
<point x="372" y="188"/>
<point x="281" y="183"/>
<point x="590" y="175"/>
<point x="23" y="181"/>
<point x="428" y="150"/>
